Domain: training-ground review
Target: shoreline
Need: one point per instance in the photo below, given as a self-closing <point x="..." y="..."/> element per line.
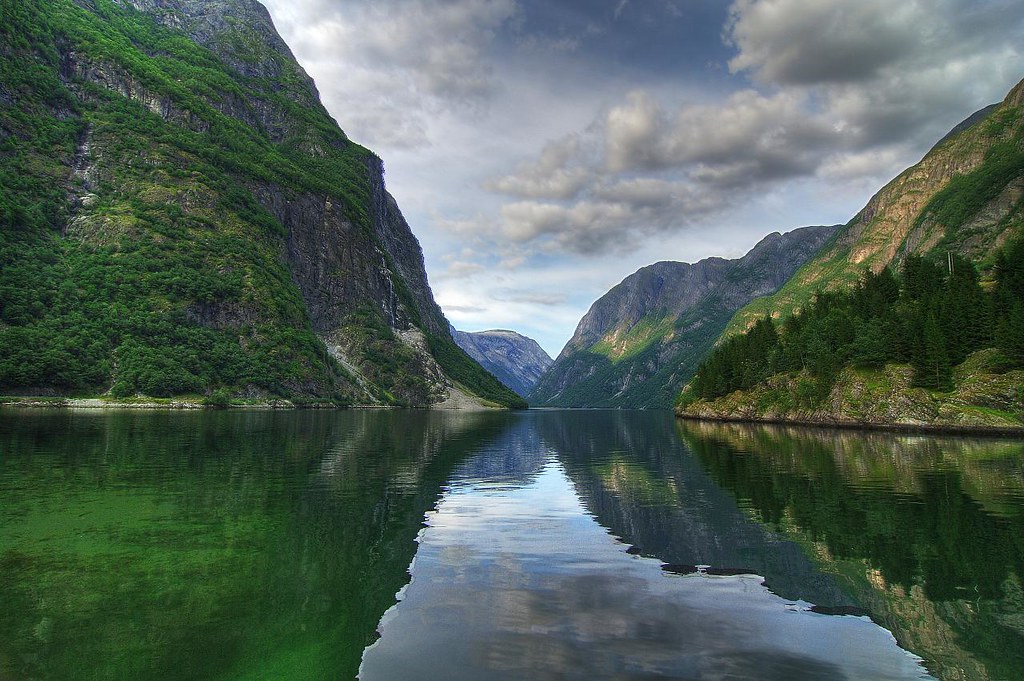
<point x="907" y="428"/>
<point x="177" y="404"/>
<point x="168" y="404"/>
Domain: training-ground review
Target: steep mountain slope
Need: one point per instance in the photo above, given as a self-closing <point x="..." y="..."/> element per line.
<point x="913" y="316"/>
<point x="179" y="213"/>
<point x="514" y="359"/>
<point x="640" y="342"/>
<point x="964" y="196"/>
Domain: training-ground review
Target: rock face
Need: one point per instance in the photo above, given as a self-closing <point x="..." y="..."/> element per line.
<point x="514" y="359"/>
<point x="640" y="342"/>
<point x="964" y="196"/>
<point x="208" y="223"/>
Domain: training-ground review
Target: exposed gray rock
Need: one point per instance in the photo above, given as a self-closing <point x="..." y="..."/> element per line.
<point x="640" y="342"/>
<point x="516" y="361"/>
<point x="343" y="242"/>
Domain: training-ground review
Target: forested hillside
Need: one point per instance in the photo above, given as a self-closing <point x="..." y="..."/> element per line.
<point x="935" y="318"/>
<point x="180" y="215"/>
<point x="913" y="315"/>
<point x="928" y="317"/>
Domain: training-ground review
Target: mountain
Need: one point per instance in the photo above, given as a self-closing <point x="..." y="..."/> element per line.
<point x="642" y="341"/>
<point x="180" y="214"/>
<point x="514" y="359"/>
<point x="963" y="197"/>
<point x="912" y="316"/>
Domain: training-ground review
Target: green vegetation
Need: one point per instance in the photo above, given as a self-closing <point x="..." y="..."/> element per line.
<point x="147" y="294"/>
<point x="965" y="195"/>
<point x="931" y="317"/>
<point x="648" y="331"/>
<point x="136" y="251"/>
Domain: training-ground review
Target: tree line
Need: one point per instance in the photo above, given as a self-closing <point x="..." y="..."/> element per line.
<point x="931" y="314"/>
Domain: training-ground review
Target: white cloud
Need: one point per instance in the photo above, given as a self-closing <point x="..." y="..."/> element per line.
<point x="386" y="68"/>
<point x="638" y="171"/>
<point x="558" y="173"/>
<point x="883" y="72"/>
<point x="846" y="93"/>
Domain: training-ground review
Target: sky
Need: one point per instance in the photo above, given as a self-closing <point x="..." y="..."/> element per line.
<point x="543" y="150"/>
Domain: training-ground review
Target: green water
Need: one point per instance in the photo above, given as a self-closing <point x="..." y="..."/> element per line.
<point x="212" y="545"/>
<point x="561" y="545"/>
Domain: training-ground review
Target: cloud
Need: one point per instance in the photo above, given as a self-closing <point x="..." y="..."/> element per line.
<point x="763" y="133"/>
<point x="387" y="66"/>
<point x="615" y="217"/>
<point x="465" y="309"/>
<point x="531" y="297"/>
<point x="842" y="93"/>
<point x="639" y="170"/>
<point x="883" y="72"/>
<point x="800" y="42"/>
<point x="558" y="173"/>
<point x="461" y="270"/>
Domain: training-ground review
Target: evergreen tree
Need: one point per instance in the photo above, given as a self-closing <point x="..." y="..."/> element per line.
<point x="931" y="315"/>
<point x="870" y="348"/>
<point x="1010" y="333"/>
<point x="932" y="368"/>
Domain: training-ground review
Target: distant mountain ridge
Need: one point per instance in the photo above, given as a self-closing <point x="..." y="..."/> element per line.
<point x="514" y="359"/>
<point x="640" y="342"/>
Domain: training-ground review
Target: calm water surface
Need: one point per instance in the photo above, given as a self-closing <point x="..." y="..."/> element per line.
<point x="541" y="545"/>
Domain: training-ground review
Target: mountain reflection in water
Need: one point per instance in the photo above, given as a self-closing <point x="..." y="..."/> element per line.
<point x="529" y="575"/>
<point x="559" y="545"/>
<point x="926" y="533"/>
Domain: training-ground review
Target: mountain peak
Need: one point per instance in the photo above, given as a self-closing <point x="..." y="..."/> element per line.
<point x="643" y="339"/>
<point x="516" y="360"/>
<point x="219" y="227"/>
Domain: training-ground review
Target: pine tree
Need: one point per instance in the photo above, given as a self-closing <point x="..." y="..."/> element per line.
<point x="869" y="348"/>
<point x="1010" y="333"/>
<point x="933" y="368"/>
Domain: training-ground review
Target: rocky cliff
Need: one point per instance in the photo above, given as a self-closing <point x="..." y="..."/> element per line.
<point x="181" y="214"/>
<point x="640" y="342"/>
<point x="514" y="359"/>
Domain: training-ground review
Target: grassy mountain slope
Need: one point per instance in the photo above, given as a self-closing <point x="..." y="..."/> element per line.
<point x="641" y="342"/>
<point x="964" y="196"/>
<point x="940" y="344"/>
<point x="180" y="214"/>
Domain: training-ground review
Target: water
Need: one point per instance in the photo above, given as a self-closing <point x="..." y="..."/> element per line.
<point x="541" y="545"/>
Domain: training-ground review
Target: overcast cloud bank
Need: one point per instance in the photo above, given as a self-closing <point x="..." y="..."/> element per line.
<point x="545" y="150"/>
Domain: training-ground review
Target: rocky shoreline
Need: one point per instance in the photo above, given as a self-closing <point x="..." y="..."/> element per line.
<point x="980" y="403"/>
<point x="149" y="404"/>
<point x="464" y="402"/>
<point x="846" y="424"/>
